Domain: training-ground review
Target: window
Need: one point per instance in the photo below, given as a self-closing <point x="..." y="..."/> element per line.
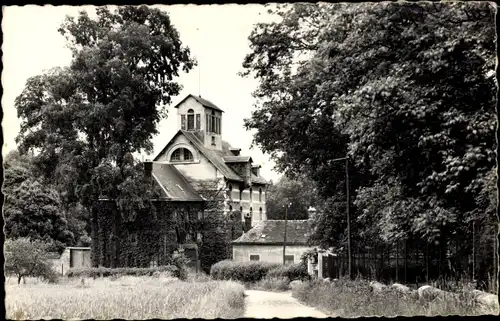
<point x="176" y="156"/>
<point x="241" y="194"/>
<point x="254" y="257"/>
<point x="181" y="154"/>
<point x="198" y="121"/>
<point x="260" y="194"/>
<point x="250" y="194"/>
<point x="213" y="140"/>
<point x="260" y="213"/>
<point x="187" y="155"/>
<point x="230" y="208"/>
<point x="289" y="259"/>
<point x="183" y="122"/>
<point x="230" y="191"/>
<point x="207" y="125"/>
<point x="250" y="211"/>
<point x="213" y="128"/>
<point x="190" y="120"/>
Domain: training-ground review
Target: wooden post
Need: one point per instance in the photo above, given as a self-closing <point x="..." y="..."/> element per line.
<point x="397" y="261"/>
<point x="349" y="253"/>
<point x="473" y="250"/>
<point x="426" y="261"/>
<point x="284" y="235"/>
<point x="406" y="260"/>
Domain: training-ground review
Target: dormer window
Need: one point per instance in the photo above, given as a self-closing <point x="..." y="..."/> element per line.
<point x="181" y="155"/>
<point x="190" y="119"/>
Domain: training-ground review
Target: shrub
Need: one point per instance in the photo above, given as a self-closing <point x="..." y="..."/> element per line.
<point x="348" y="298"/>
<point x="250" y="272"/>
<point x="180" y="261"/>
<point x="273" y="284"/>
<point x="25" y="257"/>
<point x="106" y="272"/>
<point x="296" y="271"/>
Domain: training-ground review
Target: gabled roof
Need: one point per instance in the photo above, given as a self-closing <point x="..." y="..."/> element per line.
<point x="202" y="101"/>
<point x="272" y="231"/>
<point x="216" y="157"/>
<point x="173" y="184"/>
<point x="237" y="159"/>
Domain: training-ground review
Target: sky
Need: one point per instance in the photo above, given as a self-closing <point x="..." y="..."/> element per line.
<point x="217" y="36"/>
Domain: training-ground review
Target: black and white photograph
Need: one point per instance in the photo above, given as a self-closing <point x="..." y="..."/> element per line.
<point x="226" y="161"/>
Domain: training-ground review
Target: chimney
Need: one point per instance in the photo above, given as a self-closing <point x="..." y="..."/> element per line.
<point x="235" y="151"/>
<point x="247" y="177"/>
<point x="148" y="168"/>
<point x="256" y="170"/>
<point x="248" y="224"/>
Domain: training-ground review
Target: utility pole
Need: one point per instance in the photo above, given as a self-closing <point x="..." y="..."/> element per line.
<point x="349" y="250"/>
<point x="284" y="234"/>
<point x="348" y="216"/>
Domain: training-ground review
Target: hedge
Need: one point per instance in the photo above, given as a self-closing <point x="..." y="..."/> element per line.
<point x="102" y="271"/>
<point x="252" y="271"/>
<point x="296" y="271"/>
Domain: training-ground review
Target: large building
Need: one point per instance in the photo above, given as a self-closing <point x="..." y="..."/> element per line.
<point x="198" y="154"/>
<point x="196" y="174"/>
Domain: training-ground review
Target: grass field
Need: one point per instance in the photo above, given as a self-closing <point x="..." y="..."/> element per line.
<point x="346" y="298"/>
<point x="127" y="297"/>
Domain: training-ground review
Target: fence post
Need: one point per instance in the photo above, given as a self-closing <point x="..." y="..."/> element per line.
<point x="406" y="259"/>
<point x="427" y="262"/>
<point x="397" y="261"/>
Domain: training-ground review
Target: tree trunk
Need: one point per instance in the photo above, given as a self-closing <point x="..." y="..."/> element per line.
<point x="19" y="277"/>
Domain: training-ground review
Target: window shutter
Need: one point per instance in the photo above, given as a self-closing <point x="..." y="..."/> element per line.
<point x="183" y="122"/>
<point x="198" y="121"/>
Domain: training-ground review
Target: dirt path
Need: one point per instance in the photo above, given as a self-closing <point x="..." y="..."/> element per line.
<point x="267" y="305"/>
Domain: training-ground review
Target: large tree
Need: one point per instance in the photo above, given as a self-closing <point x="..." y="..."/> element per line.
<point x="405" y="90"/>
<point x="85" y="121"/>
<point x="298" y="194"/>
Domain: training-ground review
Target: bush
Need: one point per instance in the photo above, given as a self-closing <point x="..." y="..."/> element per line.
<point x="250" y="272"/>
<point x="346" y="298"/>
<point x="296" y="271"/>
<point x="180" y="261"/>
<point x="106" y="272"/>
<point x="273" y="284"/>
<point x="25" y="257"/>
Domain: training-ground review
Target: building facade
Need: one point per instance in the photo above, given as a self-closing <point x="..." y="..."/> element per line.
<point x="264" y="242"/>
<point x="195" y="176"/>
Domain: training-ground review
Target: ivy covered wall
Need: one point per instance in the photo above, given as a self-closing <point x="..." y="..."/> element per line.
<point x="150" y="236"/>
<point x="153" y="234"/>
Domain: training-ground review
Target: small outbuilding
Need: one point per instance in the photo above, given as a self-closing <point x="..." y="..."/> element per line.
<point x="264" y="242"/>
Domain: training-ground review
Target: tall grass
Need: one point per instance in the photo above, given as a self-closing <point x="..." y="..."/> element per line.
<point x="126" y="297"/>
<point x="346" y="298"/>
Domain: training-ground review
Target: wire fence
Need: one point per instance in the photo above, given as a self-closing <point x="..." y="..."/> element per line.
<point x="418" y="262"/>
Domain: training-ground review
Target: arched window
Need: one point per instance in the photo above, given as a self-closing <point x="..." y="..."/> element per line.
<point x="251" y="192"/>
<point x="187" y="155"/>
<point x="260" y="213"/>
<point x="260" y="194"/>
<point x="190" y="117"/>
<point x="181" y="154"/>
<point x="241" y="194"/>
<point x="176" y="155"/>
